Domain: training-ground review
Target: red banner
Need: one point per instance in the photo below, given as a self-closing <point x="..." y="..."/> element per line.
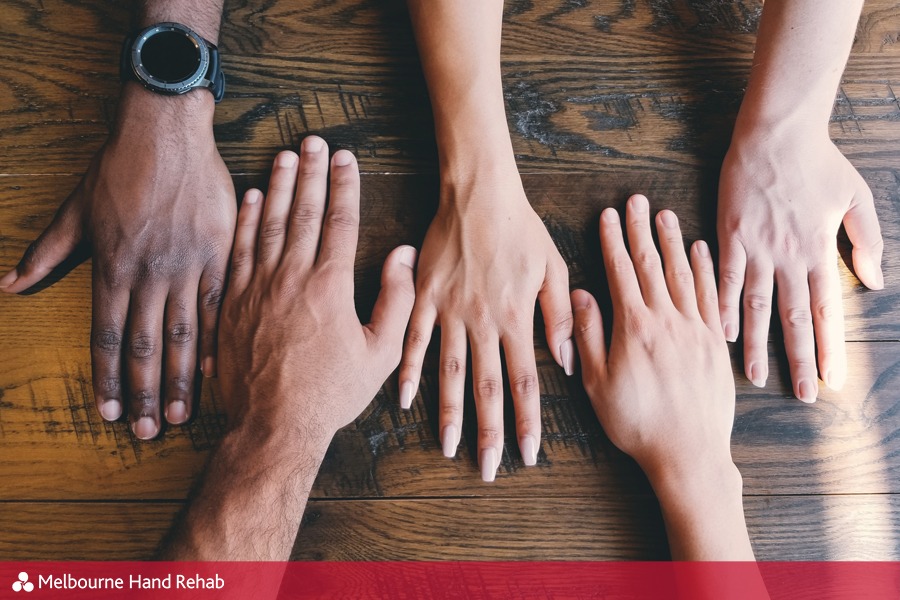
<point x="450" y="580"/>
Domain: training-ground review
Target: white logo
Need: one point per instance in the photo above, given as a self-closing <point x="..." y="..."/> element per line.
<point x="22" y="583"/>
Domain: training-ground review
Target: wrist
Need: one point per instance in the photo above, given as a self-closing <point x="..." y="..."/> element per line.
<point x="755" y="122"/>
<point x="269" y="431"/>
<point x="696" y="486"/>
<point x="193" y="110"/>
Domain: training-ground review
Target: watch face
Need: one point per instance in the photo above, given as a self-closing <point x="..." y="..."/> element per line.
<point x="170" y="56"/>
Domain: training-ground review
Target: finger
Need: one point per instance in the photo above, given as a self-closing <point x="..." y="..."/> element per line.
<point x="209" y="303"/>
<point x="557" y="311"/>
<point x="732" y="270"/>
<point x="523" y="382"/>
<point x="421" y="324"/>
<point x="309" y="204"/>
<point x="277" y="208"/>
<point x="679" y="277"/>
<point x="452" y="382"/>
<point x="861" y="224"/>
<point x="243" y="254"/>
<point x="623" y="284"/>
<point x="757" y="316"/>
<point x="647" y="264"/>
<point x="52" y="247"/>
<point x="589" y="335"/>
<point x="180" y="349"/>
<point x="828" y="320"/>
<point x="143" y="360"/>
<point x="391" y="313"/>
<point x="109" y="315"/>
<point x="799" y="340"/>
<point x="341" y="229"/>
<point x="705" y="285"/>
<point x="487" y="378"/>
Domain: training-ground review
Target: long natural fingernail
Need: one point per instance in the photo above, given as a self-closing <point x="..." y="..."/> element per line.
<point x="176" y="412"/>
<point x="528" y="447"/>
<point x="758" y="374"/>
<point x="9" y="279"/>
<point x="834" y="379"/>
<point x="449" y="440"/>
<point x="145" y="428"/>
<point x="111" y="410"/>
<point x="879" y="278"/>
<point x="208" y="367"/>
<point x="489" y="464"/>
<point x="730" y="331"/>
<point x="807" y="391"/>
<point x="567" y="355"/>
<point x="407" y="391"/>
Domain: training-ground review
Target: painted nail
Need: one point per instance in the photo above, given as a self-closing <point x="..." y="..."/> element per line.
<point x="702" y="248"/>
<point x="145" y="428"/>
<point x="408" y="257"/>
<point x="449" y="440"/>
<point x="208" y="367"/>
<point x="567" y="354"/>
<point x="313" y="144"/>
<point x="639" y="204"/>
<point x="489" y="464"/>
<point x="529" y="449"/>
<point x="807" y="391"/>
<point x="286" y="159"/>
<point x="758" y="374"/>
<point x="407" y="391"/>
<point x="610" y="215"/>
<point x="176" y="412"/>
<point x="669" y="219"/>
<point x="111" y="410"/>
<point x="342" y="158"/>
<point x="9" y="279"/>
<point x="730" y="331"/>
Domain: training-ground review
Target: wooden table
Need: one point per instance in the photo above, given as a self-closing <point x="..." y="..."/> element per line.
<point x="605" y="98"/>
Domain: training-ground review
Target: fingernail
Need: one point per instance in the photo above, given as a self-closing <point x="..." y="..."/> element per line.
<point x="144" y="428"/>
<point x="489" y="464"/>
<point x="567" y="354"/>
<point x="176" y="412"/>
<point x="9" y="279"/>
<point x="639" y="204"/>
<point x="252" y="196"/>
<point x="879" y="279"/>
<point x="835" y="379"/>
<point x="758" y="374"/>
<point x="529" y="449"/>
<point x="610" y="215"/>
<point x="408" y="257"/>
<point x="449" y="440"/>
<point x="286" y="159"/>
<point x="313" y="144"/>
<point x="702" y="248"/>
<point x="669" y="219"/>
<point x="111" y="410"/>
<point x="208" y="367"/>
<point x="730" y="331"/>
<point x="407" y="391"/>
<point x="342" y="158"/>
<point x="807" y="391"/>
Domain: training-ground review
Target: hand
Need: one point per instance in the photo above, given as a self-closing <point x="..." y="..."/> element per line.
<point x="157" y="209"/>
<point x="485" y="259"/>
<point x="782" y="199"/>
<point x="663" y="391"/>
<point x="294" y="357"/>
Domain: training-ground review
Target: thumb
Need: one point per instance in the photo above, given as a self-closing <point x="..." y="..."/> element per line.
<point x="861" y="224"/>
<point x="390" y="315"/>
<point x="53" y="246"/>
<point x="589" y="336"/>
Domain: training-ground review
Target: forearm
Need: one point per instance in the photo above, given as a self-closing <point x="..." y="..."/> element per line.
<point x="459" y="46"/>
<point x="251" y="499"/>
<point x="801" y="51"/>
<point x="203" y="16"/>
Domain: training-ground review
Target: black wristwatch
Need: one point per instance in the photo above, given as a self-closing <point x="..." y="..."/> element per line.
<point x="171" y="58"/>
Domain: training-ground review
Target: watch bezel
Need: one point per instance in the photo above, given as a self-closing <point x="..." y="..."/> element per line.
<point x="170" y="87"/>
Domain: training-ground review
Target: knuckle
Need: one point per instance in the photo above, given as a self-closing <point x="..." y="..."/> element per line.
<point x="180" y="334"/>
<point x="731" y="277"/>
<point x="637" y="327"/>
<point x="524" y="385"/>
<point x="342" y="219"/>
<point x="271" y="230"/>
<point x="241" y="259"/>
<point x="450" y="412"/>
<point x="142" y="345"/>
<point x="620" y="264"/>
<point x="490" y="436"/>
<point x="489" y="388"/>
<point x="826" y="311"/>
<point x="452" y="366"/>
<point x="106" y="340"/>
<point x="144" y="400"/>
<point x="527" y="424"/>
<point x="416" y="339"/>
<point x="108" y="386"/>
<point x="757" y="303"/>
<point x="179" y="386"/>
<point x="798" y="317"/>
<point x="211" y="298"/>
<point x="682" y="275"/>
<point x="648" y="259"/>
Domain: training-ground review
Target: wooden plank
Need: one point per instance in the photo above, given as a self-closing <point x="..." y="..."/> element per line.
<point x="593" y="110"/>
<point x="620" y="527"/>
